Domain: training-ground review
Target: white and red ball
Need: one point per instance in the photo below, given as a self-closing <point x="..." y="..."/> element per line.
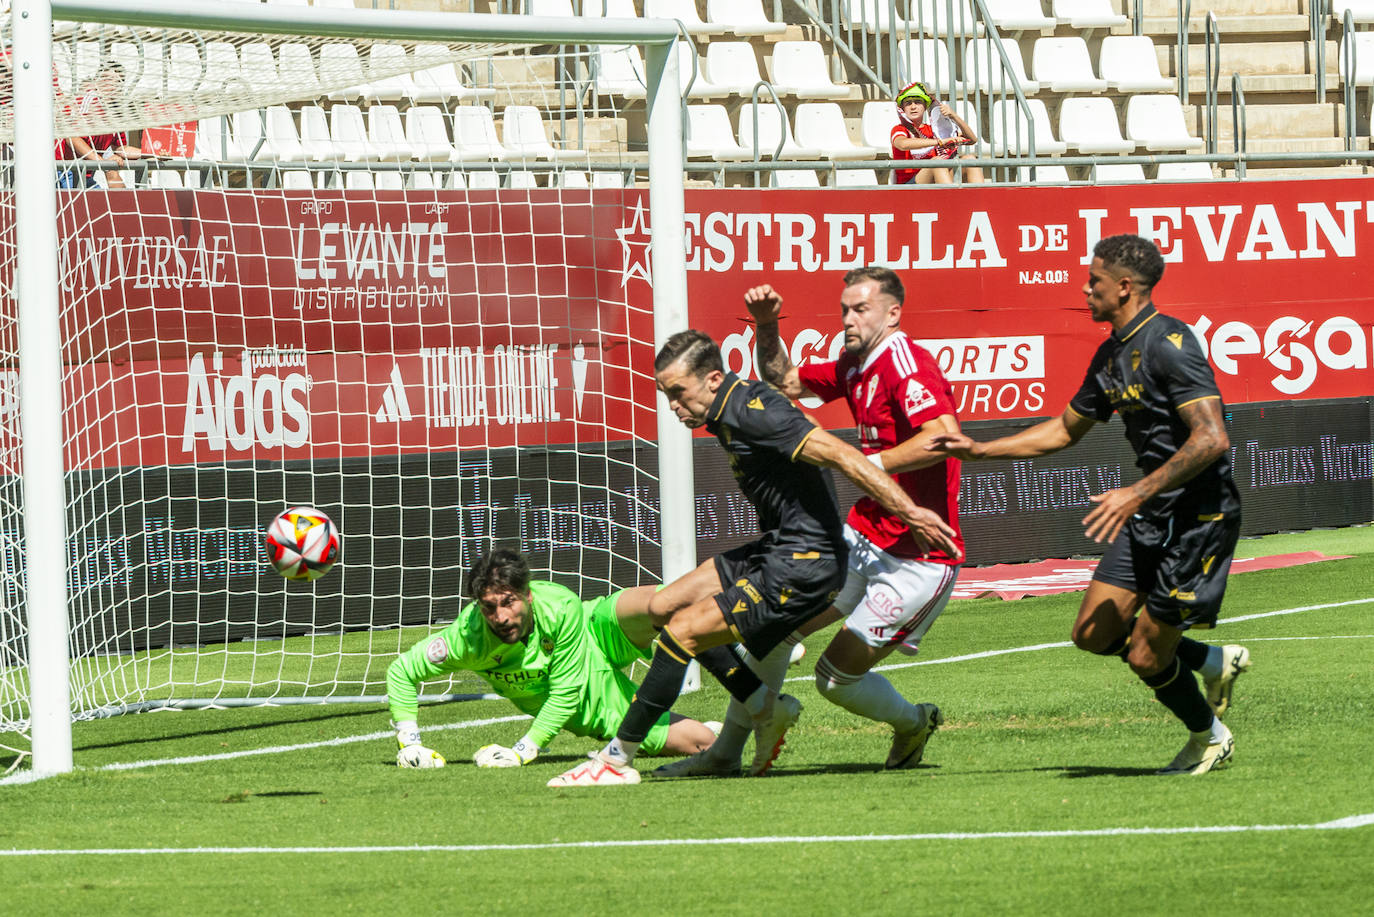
<point x="303" y="543"/>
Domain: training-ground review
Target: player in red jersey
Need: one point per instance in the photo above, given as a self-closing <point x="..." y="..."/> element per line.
<point x="893" y="589"/>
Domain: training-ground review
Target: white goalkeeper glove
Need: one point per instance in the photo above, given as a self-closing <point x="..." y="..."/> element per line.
<point x="412" y="753"/>
<point x="523" y="752"/>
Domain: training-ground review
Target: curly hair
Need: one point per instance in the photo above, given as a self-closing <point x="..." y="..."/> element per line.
<point x="502" y="569"/>
<point x="1135" y="254"/>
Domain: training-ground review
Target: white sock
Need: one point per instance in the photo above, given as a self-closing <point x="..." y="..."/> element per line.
<point x="739" y="724"/>
<point x="620" y="752"/>
<point x="869" y="695"/>
<point x="1218" y="732"/>
<point x="1212" y="668"/>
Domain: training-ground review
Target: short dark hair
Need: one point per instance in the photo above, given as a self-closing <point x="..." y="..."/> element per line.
<point x="502" y="569"/>
<point x="1136" y="254"/>
<point x="697" y="350"/>
<point x="888" y="281"/>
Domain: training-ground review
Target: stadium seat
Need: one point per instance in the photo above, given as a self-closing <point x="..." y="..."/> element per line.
<point x="521" y="178"/>
<point x="690" y="69"/>
<point x="290" y="2"/>
<point x="793" y="178"/>
<point x="741" y="17"/>
<point x="427" y="134"/>
<point x="878" y="120"/>
<point x="545" y="8"/>
<point x="315" y="140"/>
<point x="927" y="60"/>
<point x="422" y="181"/>
<point x="732" y="66"/>
<point x="474" y="135"/>
<point x="389" y="181"/>
<point x="144" y="71"/>
<point x="1092" y="126"/>
<point x="1117" y="172"/>
<point x="386" y="134"/>
<point x="710" y="136"/>
<point x="1044" y="175"/>
<point x="619" y="71"/>
<point x="183" y="68"/>
<point x="855" y="178"/>
<point x="388" y="56"/>
<point x="572" y="179"/>
<point x="221" y="68"/>
<point x="685" y="11"/>
<point x="524" y="137"/>
<point x="340" y="66"/>
<point x="248" y="129"/>
<point x="215" y="142"/>
<point x="821" y="125"/>
<point x="1128" y="63"/>
<point x="1360" y="10"/>
<point x="772" y="127"/>
<point x="479" y="181"/>
<point x="295" y="67"/>
<point x="257" y="65"/>
<point x="348" y="133"/>
<point x="875" y="16"/>
<point x="613" y="9"/>
<point x="297" y="180"/>
<point x="1363" y="45"/>
<point x="1087" y="14"/>
<point x="438" y="80"/>
<point x="1184" y="171"/>
<point x="1019" y="15"/>
<point x="1156" y="123"/>
<point x="165" y="178"/>
<point x="803" y="68"/>
<point x="936" y="19"/>
<point x="608" y="179"/>
<point x="1009" y="131"/>
<point x="1063" y="65"/>
<point x="282" y="142"/>
<point x="983" y="66"/>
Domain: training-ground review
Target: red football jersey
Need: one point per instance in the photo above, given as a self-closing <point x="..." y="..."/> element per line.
<point x="896" y="390"/>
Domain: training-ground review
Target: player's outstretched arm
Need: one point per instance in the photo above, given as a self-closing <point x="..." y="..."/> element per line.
<point x="402" y="692"/>
<point x="927" y="528"/>
<point x="1044" y="438"/>
<point x="765" y="305"/>
<point x="912" y="453"/>
<point x="1207" y="441"/>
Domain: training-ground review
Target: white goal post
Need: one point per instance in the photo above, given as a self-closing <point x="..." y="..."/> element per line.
<point x="38" y="666"/>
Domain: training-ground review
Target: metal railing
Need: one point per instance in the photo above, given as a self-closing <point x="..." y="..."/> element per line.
<point x="1185" y="12"/>
<point x="1317" y="12"/>
<point x="1238" y="139"/>
<point x="1212" y="45"/>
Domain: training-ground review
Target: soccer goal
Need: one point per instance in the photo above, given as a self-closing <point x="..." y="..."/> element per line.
<point x="396" y="265"/>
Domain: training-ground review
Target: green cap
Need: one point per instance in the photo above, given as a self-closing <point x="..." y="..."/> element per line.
<point x="914" y="91"/>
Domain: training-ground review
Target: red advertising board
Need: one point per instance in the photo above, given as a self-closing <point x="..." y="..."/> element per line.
<point x="308" y="324"/>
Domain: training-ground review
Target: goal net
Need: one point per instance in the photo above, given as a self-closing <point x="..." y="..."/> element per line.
<point x="406" y="282"/>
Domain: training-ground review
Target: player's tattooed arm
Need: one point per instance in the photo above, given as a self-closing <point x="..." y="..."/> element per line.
<point x="765" y="305"/>
<point x="1207" y="441"/>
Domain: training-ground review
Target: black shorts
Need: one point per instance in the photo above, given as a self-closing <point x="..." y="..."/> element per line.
<point x="1179" y="563"/>
<point x="771" y="589"/>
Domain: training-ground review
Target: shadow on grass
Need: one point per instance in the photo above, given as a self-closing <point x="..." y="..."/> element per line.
<point x="1074" y="771"/>
<point x="330" y="716"/>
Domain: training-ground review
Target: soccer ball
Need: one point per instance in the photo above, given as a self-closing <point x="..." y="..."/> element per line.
<point x="302" y="543"/>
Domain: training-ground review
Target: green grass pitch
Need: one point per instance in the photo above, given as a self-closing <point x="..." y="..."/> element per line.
<point x="1040" y="748"/>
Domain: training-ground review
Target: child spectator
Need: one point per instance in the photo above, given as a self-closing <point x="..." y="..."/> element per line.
<point x="913" y="139"/>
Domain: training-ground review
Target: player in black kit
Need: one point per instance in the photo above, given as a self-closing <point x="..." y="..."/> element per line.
<point x="759" y="593"/>
<point x="1173" y="532"/>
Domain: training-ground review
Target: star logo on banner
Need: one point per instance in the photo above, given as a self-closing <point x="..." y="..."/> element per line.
<point x="634" y="247"/>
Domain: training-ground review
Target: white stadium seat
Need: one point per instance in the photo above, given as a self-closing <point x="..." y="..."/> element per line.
<point x="1063" y="65"/>
<point x="1045" y="175"/>
<point x="983" y="66"/>
<point x="685" y="11"/>
<point x="479" y="180"/>
<point x="282" y="142"/>
<point x="1019" y="15"/>
<point x="1009" y="131"/>
<point x="687" y="62"/>
<point x="221" y="68"/>
<point x="608" y="179"/>
<point x="1117" y="172"/>
<point x="545" y="8"/>
<point x="143" y="71"/>
<point x="258" y="66"/>
<point x="1129" y="64"/>
<point x="297" y="180"/>
<point x="741" y="17"/>
<point x="927" y="60"/>
<point x="821" y="125"/>
<point x="1360" y="10"/>
<point x="878" y="119"/>
<point x="438" y="80"/>
<point x="855" y="178"/>
<point x="339" y="65"/>
<point x="571" y="179"/>
<point x="524" y="137"/>
<point x="802" y="68"/>
<point x="771" y="128"/>
<point x="296" y="67"/>
<point x="875" y="16"/>
<point x="389" y="56"/>
<point x="165" y="178"/>
<point x="422" y="181"/>
<point x="521" y="178"/>
<point x="1092" y="126"/>
<point x="1088" y="14"/>
<point x="386" y="134"/>
<point x="215" y="142"/>
<point x="613" y="9"/>
<point x="474" y="135"/>
<point x="348" y="132"/>
<point x="247" y="127"/>
<point x="1156" y="123"/>
<point x="619" y="71"/>
<point x="732" y="66"/>
<point x="427" y="134"/>
<point x="1363" y="44"/>
<point x="389" y="181"/>
<point x="1184" y="171"/>
<point x="793" y="178"/>
<point x="938" y="20"/>
<point x="315" y="139"/>
<point x="710" y="136"/>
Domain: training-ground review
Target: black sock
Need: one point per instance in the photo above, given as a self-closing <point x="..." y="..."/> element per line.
<point x="1192" y="653"/>
<point x="1119" y="647"/>
<point x="1176" y="688"/>
<point x="658" y="691"/>
<point x="730" y="670"/>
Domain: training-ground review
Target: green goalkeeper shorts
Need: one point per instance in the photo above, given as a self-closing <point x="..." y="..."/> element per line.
<point x="610" y="693"/>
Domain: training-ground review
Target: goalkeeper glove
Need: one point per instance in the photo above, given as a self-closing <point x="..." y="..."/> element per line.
<point x="523" y="752"/>
<point x="412" y="753"/>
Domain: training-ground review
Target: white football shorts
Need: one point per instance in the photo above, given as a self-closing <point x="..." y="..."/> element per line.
<point x="890" y="600"/>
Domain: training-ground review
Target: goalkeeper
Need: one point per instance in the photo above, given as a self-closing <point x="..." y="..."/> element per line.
<point x="553" y="655"/>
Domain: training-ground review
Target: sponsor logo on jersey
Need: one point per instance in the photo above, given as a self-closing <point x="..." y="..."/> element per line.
<point x="437" y="651"/>
<point x="918" y="398"/>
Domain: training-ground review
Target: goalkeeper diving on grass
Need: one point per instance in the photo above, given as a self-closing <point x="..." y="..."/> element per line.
<point x="554" y="656"/>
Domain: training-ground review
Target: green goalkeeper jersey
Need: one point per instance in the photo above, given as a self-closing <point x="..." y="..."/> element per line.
<point x="559" y="674"/>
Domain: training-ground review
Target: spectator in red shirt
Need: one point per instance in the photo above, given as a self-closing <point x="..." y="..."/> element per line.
<point x="913" y="139"/>
<point x="114" y="146"/>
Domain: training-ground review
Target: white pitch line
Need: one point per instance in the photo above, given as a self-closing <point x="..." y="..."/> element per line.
<point x="1340" y="824"/>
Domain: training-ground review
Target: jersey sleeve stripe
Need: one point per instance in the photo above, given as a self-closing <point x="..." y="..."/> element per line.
<point x="797" y="451"/>
<point x="903" y="358"/>
<point x="1200" y="398"/>
<point x="1077" y="413"/>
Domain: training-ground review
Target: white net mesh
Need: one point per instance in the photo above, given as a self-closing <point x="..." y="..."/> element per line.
<point x="407" y="284"/>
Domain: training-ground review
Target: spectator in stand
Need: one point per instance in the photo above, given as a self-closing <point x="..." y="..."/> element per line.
<point x="114" y="146"/>
<point x="915" y="140"/>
